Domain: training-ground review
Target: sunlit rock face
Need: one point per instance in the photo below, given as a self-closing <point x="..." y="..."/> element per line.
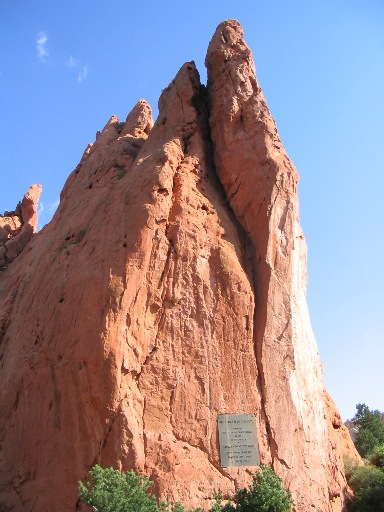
<point x="168" y="288"/>
<point x="18" y="226"/>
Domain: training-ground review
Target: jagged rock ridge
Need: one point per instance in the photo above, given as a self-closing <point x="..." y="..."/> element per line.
<point x="18" y="226"/>
<point x="168" y="288"/>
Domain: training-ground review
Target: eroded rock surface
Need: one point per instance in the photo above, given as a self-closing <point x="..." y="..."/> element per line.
<point x="261" y="186"/>
<point x="17" y="227"/>
<point x="168" y="288"/>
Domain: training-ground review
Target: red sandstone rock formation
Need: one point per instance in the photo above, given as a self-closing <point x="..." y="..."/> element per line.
<point x="260" y="183"/>
<point x="17" y="227"/>
<point x="168" y="288"/>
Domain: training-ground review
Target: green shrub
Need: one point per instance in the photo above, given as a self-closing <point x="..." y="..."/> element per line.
<point x="377" y="456"/>
<point x="350" y="465"/>
<point x="367" y="483"/>
<point x="119" y="126"/>
<point x="265" y="495"/>
<point x="121" y="172"/>
<point x="111" y="491"/>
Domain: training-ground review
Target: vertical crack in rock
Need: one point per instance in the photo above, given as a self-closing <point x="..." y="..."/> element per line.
<point x="56" y="395"/>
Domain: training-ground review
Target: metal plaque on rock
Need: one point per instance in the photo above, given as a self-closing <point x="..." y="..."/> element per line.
<point x="238" y="440"/>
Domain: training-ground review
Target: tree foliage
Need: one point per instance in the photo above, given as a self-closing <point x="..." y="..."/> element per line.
<point x="377" y="456"/>
<point x="367" y="481"/>
<point x="370" y="429"/>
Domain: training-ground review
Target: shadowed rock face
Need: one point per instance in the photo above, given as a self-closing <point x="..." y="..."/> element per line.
<point x="168" y="288"/>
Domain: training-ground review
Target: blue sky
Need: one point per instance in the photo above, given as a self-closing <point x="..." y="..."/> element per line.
<point x="66" y="67"/>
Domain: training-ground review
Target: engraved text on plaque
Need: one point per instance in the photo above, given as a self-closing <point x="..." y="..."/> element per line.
<point x="238" y="440"/>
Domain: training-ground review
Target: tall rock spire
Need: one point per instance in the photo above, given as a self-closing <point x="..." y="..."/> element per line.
<point x="18" y="227"/>
<point x="260" y="183"/>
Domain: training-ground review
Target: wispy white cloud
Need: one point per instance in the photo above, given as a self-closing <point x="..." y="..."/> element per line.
<point x="83" y="73"/>
<point x="72" y="62"/>
<point x="81" y="70"/>
<point x="40" y="208"/>
<point x="41" y="46"/>
<point x="40" y="215"/>
<point x="54" y="206"/>
<point x="45" y="214"/>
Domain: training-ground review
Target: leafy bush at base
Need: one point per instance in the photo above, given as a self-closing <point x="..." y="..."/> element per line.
<point x="265" y="495"/>
<point x="367" y="483"/>
<point x="377" y="456"/>
<point x="111" y="491"/>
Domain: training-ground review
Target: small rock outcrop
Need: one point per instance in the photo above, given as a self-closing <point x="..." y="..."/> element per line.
<point x="17" y="227"/>
<point x="169" y="288"/>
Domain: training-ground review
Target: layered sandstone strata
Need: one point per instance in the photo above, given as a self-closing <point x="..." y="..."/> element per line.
<point x="168" y="288"/>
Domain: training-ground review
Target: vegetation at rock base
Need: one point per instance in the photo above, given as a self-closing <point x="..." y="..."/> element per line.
<point x="367" y="480"/>
<point x="370" y="430"/>
<point x="377" y="456"/>
<point x="367" y="483"/>
<point x="265" y="495"/>
<point x="109" y="490"/>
